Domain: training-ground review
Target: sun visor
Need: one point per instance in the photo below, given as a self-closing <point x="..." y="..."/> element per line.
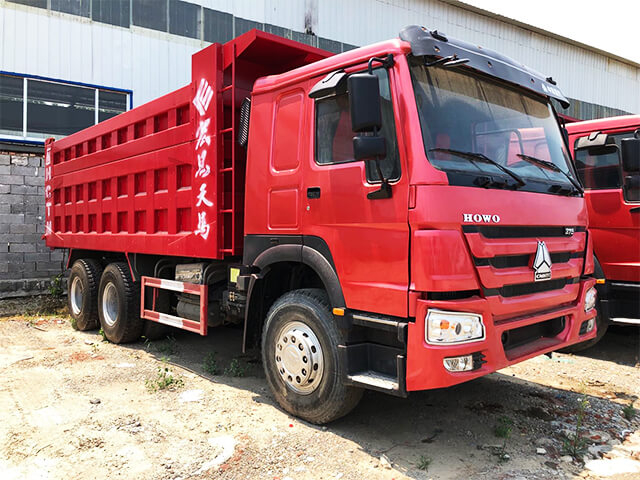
<point x="438" y="45"/>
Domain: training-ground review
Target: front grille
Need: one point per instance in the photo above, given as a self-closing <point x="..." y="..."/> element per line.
<point x="529" y="288"/>
<point x="513" y="261"/>
<point x="519" y="232"/>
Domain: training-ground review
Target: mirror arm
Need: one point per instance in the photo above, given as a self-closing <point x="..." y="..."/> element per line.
<point x="385" y="187"/>
<point x="386" y="61"/>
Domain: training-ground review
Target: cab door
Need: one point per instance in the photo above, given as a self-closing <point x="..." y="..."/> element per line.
<point x="614" y="212"/>
<point x="368" y="240"/>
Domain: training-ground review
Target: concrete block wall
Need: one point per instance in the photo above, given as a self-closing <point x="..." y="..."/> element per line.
<point x="27" y="266"/>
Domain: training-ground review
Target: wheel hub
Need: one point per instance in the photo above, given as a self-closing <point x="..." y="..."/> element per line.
<point x="299" y="357"/>
<point x="76" y="296"/>
<point x="110" y="304"/>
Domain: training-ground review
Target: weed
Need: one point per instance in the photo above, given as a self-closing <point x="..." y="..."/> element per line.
<point x="235" y="369"/>
<point x="164" y="379"/>
<point x="74" y="323"/>
<point x="629" y="412"/>
<point x="210" y="364"/>
<point x="102" y="334"/>
<point x="574" y="444"/>
<point x="55" y="288"/>
<point x="503" y="428"/>
<point x="424" y="463"/>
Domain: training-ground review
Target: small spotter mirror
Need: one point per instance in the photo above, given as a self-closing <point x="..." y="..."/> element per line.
<point x="333" y="84"/>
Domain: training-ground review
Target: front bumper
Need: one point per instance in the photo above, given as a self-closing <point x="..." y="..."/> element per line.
<point x="553" y="328"/>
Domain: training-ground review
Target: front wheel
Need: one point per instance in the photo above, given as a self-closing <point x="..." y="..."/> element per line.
<point x="301" y="359"/>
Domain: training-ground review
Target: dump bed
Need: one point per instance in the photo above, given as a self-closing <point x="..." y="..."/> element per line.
<point x="166" y="178"/>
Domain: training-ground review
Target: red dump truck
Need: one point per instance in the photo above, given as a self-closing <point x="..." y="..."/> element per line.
<point x="607" y="157"/>
<point x="399" y="217"/>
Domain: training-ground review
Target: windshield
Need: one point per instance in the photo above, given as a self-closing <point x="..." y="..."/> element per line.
<point x="475" y="127"/>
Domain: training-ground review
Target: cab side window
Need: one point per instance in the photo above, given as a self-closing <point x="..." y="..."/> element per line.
<point x="334" y="137"/>
<point x="599" y="167"/>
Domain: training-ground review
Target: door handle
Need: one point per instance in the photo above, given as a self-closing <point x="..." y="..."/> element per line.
<point x="313" y="192"/>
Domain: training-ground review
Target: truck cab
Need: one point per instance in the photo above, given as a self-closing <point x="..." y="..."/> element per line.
<point x="607" y="160"/>
<point x="467" y="231"/>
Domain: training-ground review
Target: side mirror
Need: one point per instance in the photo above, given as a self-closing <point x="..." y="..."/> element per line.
<point x="369" y="147"/>
<point x="364" y="102"/>
<point x="630" y="148"/>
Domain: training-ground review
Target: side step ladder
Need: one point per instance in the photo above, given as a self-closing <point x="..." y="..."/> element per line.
<point x="157" y="284"/>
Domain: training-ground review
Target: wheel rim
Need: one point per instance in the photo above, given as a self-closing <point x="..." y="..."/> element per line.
<point x="76" y="296"/>
<point x="110" y="304"/>
<point x="299" y="358"/>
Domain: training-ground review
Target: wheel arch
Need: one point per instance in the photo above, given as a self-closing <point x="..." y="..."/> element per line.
<point x="282" y="268"/>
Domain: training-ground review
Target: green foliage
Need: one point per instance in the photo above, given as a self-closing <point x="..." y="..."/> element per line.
<point x="629" y="412"/>
<point x="164" y="379"/>
<point x="575" y="445"/>
<point x="102" y="334"/>
<point x="210" y="364"/>
<point x="55" y="287"/>
<point x="424" y="463"/>
<point x="503" y="428"/>
<point x="235" y="369"/>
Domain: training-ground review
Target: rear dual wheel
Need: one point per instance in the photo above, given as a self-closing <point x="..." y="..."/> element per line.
<point x="119" y="304"/>
<point x="82" y="293"/>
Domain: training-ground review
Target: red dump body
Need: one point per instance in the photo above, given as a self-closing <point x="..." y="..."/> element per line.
<point x="164" y="178"/>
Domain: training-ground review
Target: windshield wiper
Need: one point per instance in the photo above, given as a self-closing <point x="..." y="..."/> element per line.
<point x="473" y="156"/>
<point x="549" y="166"/>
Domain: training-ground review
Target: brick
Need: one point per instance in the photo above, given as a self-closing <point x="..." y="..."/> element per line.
<point x="20" y="170"/>
<point x="11" y="257"/>
<point x="26" y="208"/>
<point x="24" y="189"/>
<point x="24" y="267"/>
<point x="48" y="267"/>
<point x="38" y="181"/>
<point x="36" y="162"/>
<point x="19" y="160"/>
<point x="22" y="228"/>
<point x="10" y="237"/>
<point x="38" y="257"/>
<point x="22" y="247"/>
<point x="5" y="170"/>
<point x="4" y="227"/>
<point x="4" y="208"/>
<point x="11" y="180"/>
<point x="11" y="218"/>
<point x="9" y="199"/>
<point x="34" y="238"/>
<point x="5" y="159"/>
<point x="34" y="199"/>
<point x="4" y="189"/>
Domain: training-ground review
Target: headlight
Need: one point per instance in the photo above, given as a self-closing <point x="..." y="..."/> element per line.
<point x="590" y="299"/>
<point x="446" y="328"/>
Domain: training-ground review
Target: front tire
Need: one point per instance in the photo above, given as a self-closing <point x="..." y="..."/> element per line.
<point x="601" y="326"/>
<point x="301" y="359"/>
<point x="119" y="304"/>
<point x="82" y="293"/>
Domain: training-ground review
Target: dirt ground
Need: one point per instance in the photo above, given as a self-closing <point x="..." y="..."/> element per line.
<point x="75" y="407"/>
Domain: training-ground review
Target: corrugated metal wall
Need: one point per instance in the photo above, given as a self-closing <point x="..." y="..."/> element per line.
<point x="151" y="63"/>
